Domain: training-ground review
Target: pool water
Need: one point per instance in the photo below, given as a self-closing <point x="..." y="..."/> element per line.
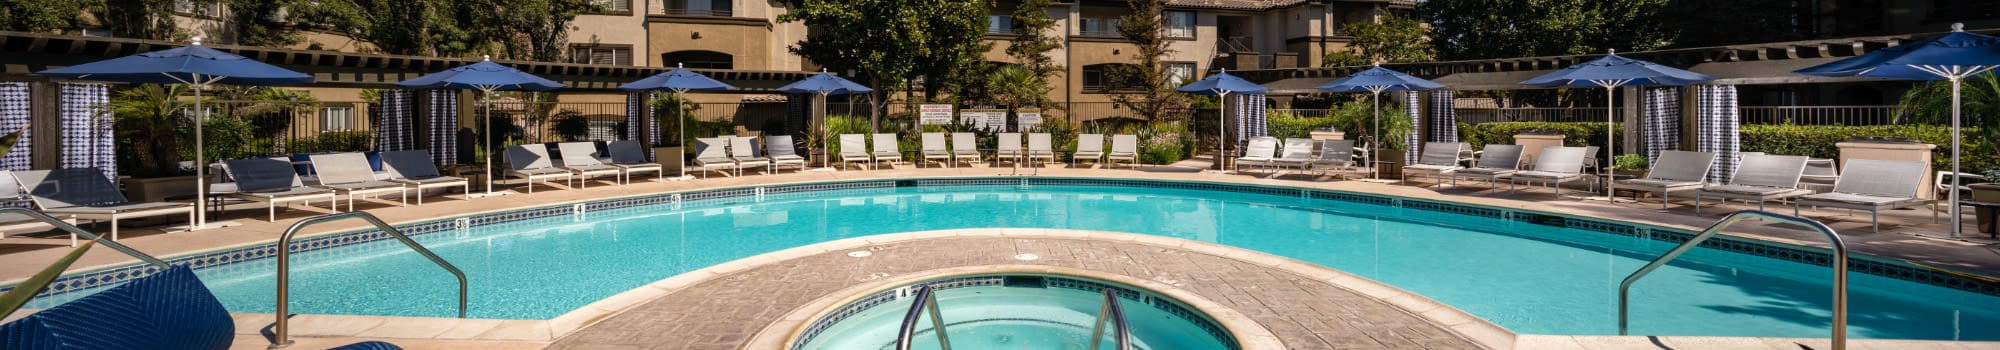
<point x="996" y="317"/>
<point x="1528" y="278"/>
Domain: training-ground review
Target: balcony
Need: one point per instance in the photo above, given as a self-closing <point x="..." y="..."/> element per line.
<point x="690" y="8"/>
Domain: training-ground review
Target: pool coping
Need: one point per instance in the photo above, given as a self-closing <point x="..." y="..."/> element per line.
<point x="1465" y="325"/>
<point x="785" y="332"/>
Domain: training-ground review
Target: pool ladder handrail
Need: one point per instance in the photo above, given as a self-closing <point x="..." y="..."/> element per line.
<point x="1111" y="312"/>
<point x="924" y="302"/>
<point x="1839" y="338"/>
<point x="280" y="332"/>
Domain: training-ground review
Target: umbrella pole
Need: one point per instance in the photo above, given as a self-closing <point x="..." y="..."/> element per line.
<point x="486" y="99"/>
<point x="1610" y="144"/>
<point x="1222" y="131"/>
<point x="1375" y="169"/>
<point x="1955" y="219"/>
<point x="680" y="121"/>
<point x="200" y="167"/>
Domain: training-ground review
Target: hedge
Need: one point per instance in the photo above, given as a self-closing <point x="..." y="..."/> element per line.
<point x="1578" y="134"/>
<point x="1818" y="142"/>
<point x="1282" y="125"/>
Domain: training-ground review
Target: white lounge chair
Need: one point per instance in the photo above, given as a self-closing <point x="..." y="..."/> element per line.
<point x="85" y="194"/>
<point x="886" y="150"/>
<point x="1556" y="166"/>
<point x="1874" y="185"/>
<point x="1089" y="147"/>
<point x="1494" y="162"/>
<point x="1042" y="147"/>
<point x="414" y="169"/>
<point x="1009" y="148"/>
<point x="1820" y="175"/>
<point x="783" y="152"/>
<point x="580" y="159"/>
<point x="531" y="162"/>
<point x="964" y="148"/>
<point x="272" y="181"/>
<point x="712" y="154"/>
<point x="1124" y="147"/>
<point x="1297" y="153"/>
<point x="630" y="158"/>
<point x="854" y="149"/>
<point x="1760" y="178"/>
<point x="1260" y="152"/>
<point x="934" y="148"/>
<point x="1673" y="171"/>
<point x="1438" y="160"/>
<point x="1336" y="156"/>
<point x="744" y="151"/>
<point x="349" y="174"/>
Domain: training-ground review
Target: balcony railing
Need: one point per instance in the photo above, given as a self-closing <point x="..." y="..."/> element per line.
<point x="1493" y="115"/>
<point x="1819" y="115"/>
<point x="691" y="12"/>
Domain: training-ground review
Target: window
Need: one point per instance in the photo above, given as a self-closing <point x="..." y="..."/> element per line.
<point x="199" y="8"/>
<point x="606" y="55"/>
<point x="698" y="59"/>
<point x="999" y="24"/>
<point x="1106" y="77"/>
<point x="1180" y="73"/>
<point x="613" y="6"/>
<point x="336" y="119"/>
<point x="1179" y="24"/>
<point x="717" y="8"/>
<point x="1099" y="27"/>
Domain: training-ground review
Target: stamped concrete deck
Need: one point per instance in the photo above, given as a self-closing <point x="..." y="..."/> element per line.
<point x="725" y="311"/>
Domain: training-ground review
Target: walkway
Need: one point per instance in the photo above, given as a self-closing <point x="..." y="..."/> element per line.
<point x="726" y="310"/>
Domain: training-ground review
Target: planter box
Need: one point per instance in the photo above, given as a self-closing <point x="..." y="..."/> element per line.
<point x="1987" y="192"/>
<point x="1329" y="135"/>
<point x="671" y="159"/>
<point x="160" y="189"/>
<point x="1392" y="166"/>
<point x="1532" y="145"/>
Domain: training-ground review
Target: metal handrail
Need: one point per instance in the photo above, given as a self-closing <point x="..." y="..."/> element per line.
<point x="86" y="234"/>
<point x="1839" y="266"/>
<point x="281" y="334"/>
<point x="1111" y="312"/>
<point x="924" y="302"/>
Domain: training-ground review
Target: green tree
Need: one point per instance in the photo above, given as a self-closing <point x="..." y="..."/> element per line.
<point x="261" y="22"/>
<point x="1979" y="108"/>
<point x="889" y="43"/>
<point x="1015" y="86"/>
<point x="539" y="29"/>
<point x="141" y="19"/>
<point x="510" y="29"/>
<point x="1153" y="95"/>
<point x="1343" y="59"/>
<point x="954" y="32"/>
<point x="1478" y="29"/>
<point x="1700" y="23"/>
<point x="148" y="121"/>
<point x="57" y="16"/>
<point x="1032" y="43"/>
<point x="1394" y="40"/>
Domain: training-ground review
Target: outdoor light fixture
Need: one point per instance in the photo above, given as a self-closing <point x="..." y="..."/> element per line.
<point x="697" y="35"/>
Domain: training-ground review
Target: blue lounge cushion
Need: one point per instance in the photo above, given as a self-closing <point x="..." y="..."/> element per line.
<point x="167" y="310"/>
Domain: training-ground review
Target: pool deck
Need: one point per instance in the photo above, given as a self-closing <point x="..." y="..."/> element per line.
<point x="1907" y="235"/>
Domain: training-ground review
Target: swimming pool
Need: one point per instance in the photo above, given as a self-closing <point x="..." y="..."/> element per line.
<point x="1510" y="268"/>
<point x="1016" y="312"/>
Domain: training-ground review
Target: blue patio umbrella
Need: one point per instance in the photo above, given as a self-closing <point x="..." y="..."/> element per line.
<point x="1953" y="56"/>
<point x="486" y="77"/>
<point x="1221" y="85"/>
<point x="824" y="84"/>
<point x="679" y="81"/>
<point x="1375" y="81"/>
<point x="193" y="65"/>
<point x="1611" y="72"/>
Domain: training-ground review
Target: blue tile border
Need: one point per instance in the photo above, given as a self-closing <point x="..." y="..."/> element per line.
<point x="1800" y="254"/>
<point x="1142" y="296"/>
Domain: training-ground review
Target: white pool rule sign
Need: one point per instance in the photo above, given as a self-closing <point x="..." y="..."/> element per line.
<point x="934" y="114"/>
<point x="984" y="119"/>
<point x="1027" y="118"/>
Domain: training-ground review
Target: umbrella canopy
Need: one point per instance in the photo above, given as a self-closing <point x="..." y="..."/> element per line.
<point x="192" y="64"/>
<point x="484" y="75"/>
<point x="1379" y="79"/>
<point x="1909" y="60"/>
<point x="1613" y="71"/>
<point x="1953" y="56"/>
<point x="679" y="80"/>
<point x="826" y="84"/>
<point x="1223" y="83"/>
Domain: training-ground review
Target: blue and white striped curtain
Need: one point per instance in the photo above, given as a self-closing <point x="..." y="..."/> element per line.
<point x="1250" y="120"/>
<point x="1660" y="129"/>
<point x="1444" y="117"/>
<point x="14" y="116"/>
<point x="444" y="126"/>
<point x="1413" y="106"/>
<point x="1719" y="124"/>
<point x="636" y="114"/>
<point x="397" y="120"/>
<point x="86" y="128"/>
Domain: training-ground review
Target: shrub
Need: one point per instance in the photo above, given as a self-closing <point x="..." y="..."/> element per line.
<point x="1629" y="161"/>
<point x="1163" y="142"/>
<point x="337" y="141"/>
<point x="1818" y="142"/>
<point x="1577" y="134"/>
<point x="1287" y="125"/>
<point x="1358" y="120"/>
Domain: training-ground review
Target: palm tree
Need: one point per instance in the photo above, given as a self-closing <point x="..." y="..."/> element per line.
<point x="1930" y="103"/>
<point x="149" y="119"/>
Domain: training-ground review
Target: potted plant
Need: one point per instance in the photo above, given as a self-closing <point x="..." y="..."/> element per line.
<point x="1395" y="127"/>
<point x="1629" y="164"/>
<point x="1989" y="192"/>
